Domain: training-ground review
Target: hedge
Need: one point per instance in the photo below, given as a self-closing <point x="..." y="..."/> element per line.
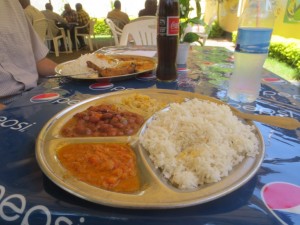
<point x="216" y="31"/>
<point x="286" y="50"/>
<point x="283" y="49"/>
<point x="101" y="28"/>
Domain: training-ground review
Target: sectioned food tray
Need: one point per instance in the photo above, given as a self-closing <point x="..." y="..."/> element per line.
<point x="155" y="190"/>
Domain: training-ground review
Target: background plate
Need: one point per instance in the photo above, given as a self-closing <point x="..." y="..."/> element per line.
<point x="59" y="69"/>
<point x="154" y="192"/>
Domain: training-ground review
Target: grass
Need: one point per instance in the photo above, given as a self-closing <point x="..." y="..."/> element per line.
<point x="101" y="36"/>
<point x="281" y="69"/>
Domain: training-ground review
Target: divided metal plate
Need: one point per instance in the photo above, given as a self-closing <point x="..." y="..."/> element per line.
<point x="155" y="191"/>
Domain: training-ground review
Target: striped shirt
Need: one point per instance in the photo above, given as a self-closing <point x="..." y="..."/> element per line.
<point x="71" y="16"/>
<point x="20" y="49"/>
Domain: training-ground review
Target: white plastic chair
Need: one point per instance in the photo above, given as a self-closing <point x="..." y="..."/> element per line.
<point x="116" y="31"/>
<point x="55" y="38"/>
<point x="91" y="34"/>
<point x="41" y="26"/>
<point x="143" y="32"/>
<point x="143" y="18"/>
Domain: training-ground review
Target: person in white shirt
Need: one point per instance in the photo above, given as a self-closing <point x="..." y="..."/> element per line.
<point x="31" y="12"/>
<point x="117" y="16"/>
<point x="54" y="17"/>
<point x="22" y="53"/>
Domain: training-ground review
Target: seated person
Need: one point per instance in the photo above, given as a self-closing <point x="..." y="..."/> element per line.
<point x="83" y="19"/>
<point x="69" y="14"/>
<point x="23" y="54"/>
<point x="150" y="8"/>
<point x="71" y="17"/>
<point x="55" y="20"/>
<point x="117" y="16"/>
<point x="31" y="12"/>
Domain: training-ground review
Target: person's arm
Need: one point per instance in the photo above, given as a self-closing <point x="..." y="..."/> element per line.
<point x="45" y="67"/>
<point x="60" y="19"/>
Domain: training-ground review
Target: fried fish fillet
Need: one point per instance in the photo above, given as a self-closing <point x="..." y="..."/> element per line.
<point x="122" y="69"/>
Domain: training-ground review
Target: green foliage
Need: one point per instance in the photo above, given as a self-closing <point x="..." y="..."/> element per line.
<point x="198" y="8"/>
<point x="185" y="20"/>
<point x="281" y="69"/>
<point x="184" y="8"/>
<point x="101" y="28"/>
<point x="286" y="50"/>
<point x="191" y="37"/>
<point x="233" y="36"/>
<point x="216" y="31"/>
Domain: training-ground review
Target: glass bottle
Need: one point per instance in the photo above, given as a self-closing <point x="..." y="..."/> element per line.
<point x="167" y="39"/>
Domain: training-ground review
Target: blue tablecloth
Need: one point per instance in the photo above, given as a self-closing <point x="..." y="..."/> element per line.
<point x="271" y="197"/>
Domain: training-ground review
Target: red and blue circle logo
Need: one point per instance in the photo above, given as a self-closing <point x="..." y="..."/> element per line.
<point x="283" y="201"/>
<point x="182" y="69"/>
<point x="45" y="97"/>
<point x="101" y="86"/>
<point x="146" y="77"/>
<point x="273" y="80"/>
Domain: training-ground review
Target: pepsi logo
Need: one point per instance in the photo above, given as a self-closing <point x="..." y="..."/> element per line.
<point x="273" y="80"/>
<point x="283" y="201"/>
<point x="101" y="86"/>
<point x="45" y="97"/>
<point x="182" y="69"/>
<point x="146" y="76"/>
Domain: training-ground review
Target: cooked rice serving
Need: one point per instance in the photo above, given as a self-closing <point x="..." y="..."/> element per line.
<point x="79" y="66"/>
<point x="198" y="142"/>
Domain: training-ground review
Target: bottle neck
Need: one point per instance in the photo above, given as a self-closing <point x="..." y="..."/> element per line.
<point x="257" y="13"/>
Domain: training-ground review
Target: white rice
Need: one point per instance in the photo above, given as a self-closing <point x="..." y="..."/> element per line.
<point x="198" y="142"/>
<point x="79" y="66"/>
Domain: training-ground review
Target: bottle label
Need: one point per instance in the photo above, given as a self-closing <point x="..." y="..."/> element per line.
<point x="168" y="26"/>
<point x="253" y="40"/>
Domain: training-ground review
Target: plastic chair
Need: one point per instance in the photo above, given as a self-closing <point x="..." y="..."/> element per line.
<point x="116" y="31"/>
<point x="41" y="26"/>
<point x="61" y="34"/>
<point x="143" y="32"/>
<point x="143" y="18"/>
<point x="90" y="25"/>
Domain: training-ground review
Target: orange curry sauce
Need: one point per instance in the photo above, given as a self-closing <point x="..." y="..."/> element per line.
<point x="106" y="165"/>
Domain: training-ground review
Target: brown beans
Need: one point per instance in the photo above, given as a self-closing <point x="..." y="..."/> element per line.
<point x="102" y="120"/>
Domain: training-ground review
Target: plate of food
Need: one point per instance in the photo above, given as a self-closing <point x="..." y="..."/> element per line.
<point x="149" y="148"/>
<point x="106" y="66"/>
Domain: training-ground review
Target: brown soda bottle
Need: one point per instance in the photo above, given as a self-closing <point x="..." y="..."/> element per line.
<point x="167" y="39"/>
